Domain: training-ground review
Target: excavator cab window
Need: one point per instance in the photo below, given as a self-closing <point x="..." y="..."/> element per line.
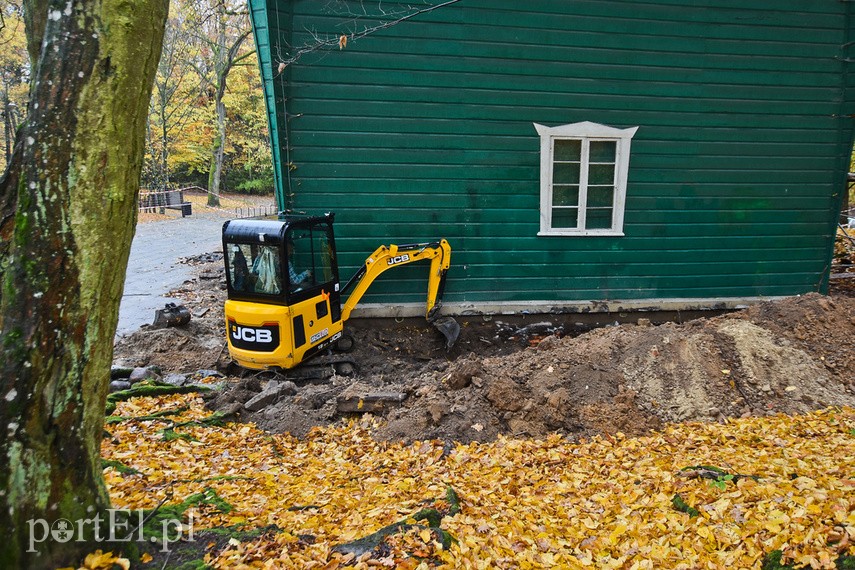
<point x="282" y="262"/>
<point x="300" y="261"/>
<point x="310" y="254"/>
<point x="254" y="268"/>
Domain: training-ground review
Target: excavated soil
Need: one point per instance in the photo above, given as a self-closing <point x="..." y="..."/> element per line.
<point x="533" y="376"/>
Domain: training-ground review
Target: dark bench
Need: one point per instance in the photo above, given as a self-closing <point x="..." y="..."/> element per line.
<point x="175" y="201"/>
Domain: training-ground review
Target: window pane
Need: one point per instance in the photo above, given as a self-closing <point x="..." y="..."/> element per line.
<point x="565" y="195"/>
<point x="598" y="218"/>
<point x="565" y="173"/>
<point x="266" y="270"/>
<point x="565" y="217"/>
<point x="254" y="268"/>
<point x="327" y="256"/>
<point x="566" y="149"/>
<point x="240" y="258"/>
<point x="310" y="257"/>
<point x="299" y="249"/>
<point x="601" y="174"/>
<point x="600" y="196"/>
<point x="602" y="151"/>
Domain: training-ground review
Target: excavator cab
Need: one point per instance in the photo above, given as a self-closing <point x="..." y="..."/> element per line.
<point x="284" y="298"/>
<point x="284" y="295"/>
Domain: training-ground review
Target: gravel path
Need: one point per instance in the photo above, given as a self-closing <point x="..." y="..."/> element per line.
<point x="154" y="268"/>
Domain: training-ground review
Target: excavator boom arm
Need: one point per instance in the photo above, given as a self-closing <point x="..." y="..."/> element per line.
<point x="387" y="257"/>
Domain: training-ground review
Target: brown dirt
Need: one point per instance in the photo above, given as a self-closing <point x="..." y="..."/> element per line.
<point x="516" y="377"/>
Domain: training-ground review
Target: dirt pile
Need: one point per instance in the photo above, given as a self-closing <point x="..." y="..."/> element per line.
<point x="788" y="356"/>
<point x="198" y="345"/>
<point x="631" y="378"/>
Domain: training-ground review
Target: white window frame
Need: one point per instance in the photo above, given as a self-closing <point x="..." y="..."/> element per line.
<point x="586" y="132"/>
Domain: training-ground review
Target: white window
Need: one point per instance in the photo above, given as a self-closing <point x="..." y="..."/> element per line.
<point x="583" y="172"/>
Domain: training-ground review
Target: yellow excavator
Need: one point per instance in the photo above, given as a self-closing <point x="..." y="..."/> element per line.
<point x="284" y="295"/>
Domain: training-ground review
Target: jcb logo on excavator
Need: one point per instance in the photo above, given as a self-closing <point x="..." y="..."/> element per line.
<point x="251" y="335"/>
<point x="398" y="259"/>
<point x="264" y="338"/>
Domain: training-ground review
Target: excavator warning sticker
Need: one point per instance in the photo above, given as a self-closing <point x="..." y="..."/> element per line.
<point x="318" y="336"/>
<point x="263" y="339"/>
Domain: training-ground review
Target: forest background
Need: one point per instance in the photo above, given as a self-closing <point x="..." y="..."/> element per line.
<point x="207" y="125"/>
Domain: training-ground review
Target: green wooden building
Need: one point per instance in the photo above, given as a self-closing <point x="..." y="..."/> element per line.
<point x="577" y="154"/>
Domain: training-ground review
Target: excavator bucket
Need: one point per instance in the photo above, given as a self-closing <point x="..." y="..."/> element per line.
<point x="449" y="328"/>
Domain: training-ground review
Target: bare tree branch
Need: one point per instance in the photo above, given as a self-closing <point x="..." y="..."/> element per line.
<point x="328" y="43"/>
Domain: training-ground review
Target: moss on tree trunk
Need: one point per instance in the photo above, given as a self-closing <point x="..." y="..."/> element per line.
<point x="67" y="216"/>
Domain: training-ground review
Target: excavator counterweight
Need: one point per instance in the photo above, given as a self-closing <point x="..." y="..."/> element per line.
<point x="284" y="295"/>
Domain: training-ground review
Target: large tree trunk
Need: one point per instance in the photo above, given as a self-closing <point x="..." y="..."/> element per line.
<point x="67" y="215"/>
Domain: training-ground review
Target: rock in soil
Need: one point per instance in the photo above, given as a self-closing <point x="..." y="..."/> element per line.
<point x="119" y="385"/>
<point x="143" y="373"/>
<point x="372" y="402"/>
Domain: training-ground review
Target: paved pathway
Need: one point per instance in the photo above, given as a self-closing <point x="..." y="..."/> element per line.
<point x="153" y="268"/>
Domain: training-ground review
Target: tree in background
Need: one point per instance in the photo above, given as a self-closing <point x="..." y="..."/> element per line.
<point x="222" y="27"/>
<point x="67" y="216"/>
<point x="175" y="104"/>
<point x="207" y="124"/>
<point x="14" y="75"/>
<point x="248" y="166"/>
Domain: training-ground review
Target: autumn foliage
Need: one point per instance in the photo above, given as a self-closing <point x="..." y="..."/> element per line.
<point x="553" y="503"/>
<point x="208" y="74"/>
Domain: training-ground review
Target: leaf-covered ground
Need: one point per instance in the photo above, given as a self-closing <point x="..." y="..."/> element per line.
<point x="617" y="502"/>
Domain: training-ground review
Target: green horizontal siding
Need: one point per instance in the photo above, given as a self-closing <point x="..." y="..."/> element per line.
<point x="424" y="130"/>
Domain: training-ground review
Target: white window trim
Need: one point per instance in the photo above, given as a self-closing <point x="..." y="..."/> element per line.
<point x="583" y="131"/>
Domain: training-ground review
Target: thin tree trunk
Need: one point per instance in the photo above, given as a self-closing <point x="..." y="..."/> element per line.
<point x="217" y="156"/>
<point x="221" y="66"/>
<point x="164" y="148"/>
<point x="67" y="215"/>
<point x="225" y="57"/>
<point x="8" y="120"/>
